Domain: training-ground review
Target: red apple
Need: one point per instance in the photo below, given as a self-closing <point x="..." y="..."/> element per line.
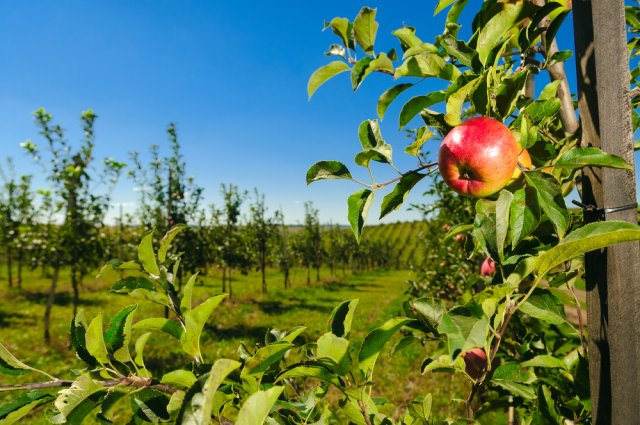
<point x="475" y="361"/>
<point x="478" y="157"/>
<point x="488" y="267"/>
<point x="459" y="237"/>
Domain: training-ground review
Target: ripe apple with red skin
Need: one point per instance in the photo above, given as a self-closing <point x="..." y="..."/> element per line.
<point x="475" y="361"/>
<point x="488" y="267"/>
<point x="478" y="157"/>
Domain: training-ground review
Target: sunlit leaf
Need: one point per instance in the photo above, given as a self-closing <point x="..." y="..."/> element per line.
<point x="327" y="170"/>
<point x="322" y="74"/>
<point x="358" y="208"/>
<point x="396" y="197"/>
<point x="365" y="28"/>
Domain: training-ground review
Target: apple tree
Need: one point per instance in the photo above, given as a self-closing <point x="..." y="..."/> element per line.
<point x="525" y="227"/>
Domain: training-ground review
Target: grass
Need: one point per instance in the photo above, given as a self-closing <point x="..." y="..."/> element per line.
<point x="244" y="318"/>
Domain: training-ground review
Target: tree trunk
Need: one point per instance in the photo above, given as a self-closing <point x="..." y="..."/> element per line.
<point x="9" y="266"/>
<point x="76" y="290"/>
<point x="230" y="285"/>
<point x="286" y="277"/>
<point x="20" y="268"/>
<point x="308" y="275"/>
<point x="50" y="300"/>
<point x="318" y="274"/>
<point x="224" y="279"/>
<point x="263" y="266"/>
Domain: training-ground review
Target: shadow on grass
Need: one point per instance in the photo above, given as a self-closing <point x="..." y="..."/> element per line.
<point x="8" y="318"/>
<point x="251" y="333"/>
<point x="276" y="307"/>
<point x="61" y="298"/>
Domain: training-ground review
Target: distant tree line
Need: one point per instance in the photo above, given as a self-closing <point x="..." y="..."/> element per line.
<point x="63" y="226"/>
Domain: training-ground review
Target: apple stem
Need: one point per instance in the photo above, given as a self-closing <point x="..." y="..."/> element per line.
<point x="376" y="186"/>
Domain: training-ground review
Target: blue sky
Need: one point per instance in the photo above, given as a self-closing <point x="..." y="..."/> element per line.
<point x="231" y="75"/>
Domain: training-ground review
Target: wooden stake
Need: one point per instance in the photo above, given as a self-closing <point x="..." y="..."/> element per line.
<point x="612" y="275"/>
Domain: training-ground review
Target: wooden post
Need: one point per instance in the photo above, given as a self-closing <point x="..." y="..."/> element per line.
<point x="612" y="275"/>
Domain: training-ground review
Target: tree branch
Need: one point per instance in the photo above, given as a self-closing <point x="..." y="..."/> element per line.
<point x="128" y="381"/>
<point x="557" y="73"/>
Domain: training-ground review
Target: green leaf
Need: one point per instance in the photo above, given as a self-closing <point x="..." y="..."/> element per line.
<point x="257" y="407"/>
<point x="525" y="214"/>
<point x="327" y="170"/>
<point x="324" y="73"/>
<point x="456" y="230"/>
<point x="503" y="208"/>
<point x="408" y="40"/>
<point x="118" y="334"/>
<point x="369" y="134"/>
<point x="342" y="28"/>
<point x="150" y="405"/>
<point x="456" y="101"/>
<point x="545" y="306"/>
<point x="515" y="379"/>
<point x="539" y="110"/>
<point x="427" y="65"/>
<point x="430" y="310"/>
<point x="14" y="411"/>
<point x="334" y="348"/>
<point x="358" y="206"/>
<point x="442" y="4"/>
<point x="553" y="28"/>
<point x="395" y="198"/>
<point x="77" y="335"/>
<point x="459" y="50"/>
<point x="389" y="96"/>
<point x="255" y="367"/>
<point x="180" y="377"/>
<point x="375" y="340"/>
<point x="366" y="66"/>
<point x="591" y="237"/>
<point x="168" y="326"/>
<point x="421" y="136"/>
<point x="544" y="360"/>
<point x="131" y="283"/>
<point x="320" y="372"/>
<point x="416" y="104"/>
<point x="464" y="331"/>
<point x="146" y="255"/>
<point x="187" y="294"/>
<point x="139" y="347"/>
<point x="167" y="239"/>
<point x="359" y="71"/>
<point x="95" y="341"/>
<point x="365" y="28"/>
<point x="341" y="318"/>
<point x="76" y="402"/>
<point x="381" y="153"/>
<point x="560" y="57"/>
<point x="491" y="33"/>
<point x="582" y="157"/>
<point x="549" y="91"/>
<point x="550" y="199"/>
<point x="508" y="92"/>
<point x="195" y="320"/>
<point x="141" y="289"/>
<point x="219" y="372"/>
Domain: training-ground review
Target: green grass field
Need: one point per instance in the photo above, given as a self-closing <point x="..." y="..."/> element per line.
<point x="244" y="318"/>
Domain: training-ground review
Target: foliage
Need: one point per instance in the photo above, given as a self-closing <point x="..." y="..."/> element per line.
<point x="526" y="228"/>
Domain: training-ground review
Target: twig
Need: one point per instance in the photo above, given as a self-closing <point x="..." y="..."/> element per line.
<point x="422" y="167"/>
<point x="128" y="381"/>
<point x="557" y="73"/>
<point x="580" y="324"/>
